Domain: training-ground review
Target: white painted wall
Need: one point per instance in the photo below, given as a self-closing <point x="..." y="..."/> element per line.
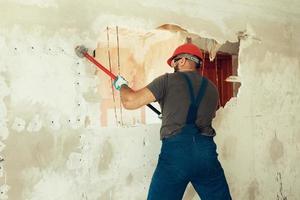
<point x="40" y="120"/>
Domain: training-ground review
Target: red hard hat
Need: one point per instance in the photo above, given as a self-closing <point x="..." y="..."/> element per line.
<point x="188" y="48"/>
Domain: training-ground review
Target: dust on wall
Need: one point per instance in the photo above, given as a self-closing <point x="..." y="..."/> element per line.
<point x="49" y="99"/>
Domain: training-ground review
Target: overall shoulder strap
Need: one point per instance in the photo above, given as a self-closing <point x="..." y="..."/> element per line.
<point x="191" y="90"/>
<point x="201" y="92"/>
<point x="194" y="105"/>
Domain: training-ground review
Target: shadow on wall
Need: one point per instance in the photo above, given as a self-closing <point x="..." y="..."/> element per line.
<point x="141" y="57"/>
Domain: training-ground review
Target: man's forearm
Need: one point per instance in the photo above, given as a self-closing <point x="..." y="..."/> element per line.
<point x="126" y="93"/>
<point x="132" y="99"/>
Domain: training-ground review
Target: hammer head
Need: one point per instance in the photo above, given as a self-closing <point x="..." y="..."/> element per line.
<point x="80" y="51"/>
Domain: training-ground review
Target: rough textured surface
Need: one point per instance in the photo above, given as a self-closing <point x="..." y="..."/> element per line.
<point x="52" y="141"/>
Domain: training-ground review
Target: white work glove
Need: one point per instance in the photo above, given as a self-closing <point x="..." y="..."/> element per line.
<point x="119" y="81"/>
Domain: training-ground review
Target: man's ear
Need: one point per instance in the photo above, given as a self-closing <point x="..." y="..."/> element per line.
<point x="182" y="61"/>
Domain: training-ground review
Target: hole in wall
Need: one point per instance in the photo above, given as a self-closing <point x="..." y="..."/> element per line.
<point x="220" y="62"/>
<point x="222" y="70"/>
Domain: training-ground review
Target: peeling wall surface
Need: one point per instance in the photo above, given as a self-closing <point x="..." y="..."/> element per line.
<point x="53" y="144"/>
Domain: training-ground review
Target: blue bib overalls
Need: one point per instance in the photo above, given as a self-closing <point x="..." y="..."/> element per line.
<point x="187" y="157"/>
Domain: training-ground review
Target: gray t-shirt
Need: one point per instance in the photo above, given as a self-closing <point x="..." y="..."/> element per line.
<point x="171" y="92"/>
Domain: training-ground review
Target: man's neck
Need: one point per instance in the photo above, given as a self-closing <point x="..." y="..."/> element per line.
<point x="186" y="70"/>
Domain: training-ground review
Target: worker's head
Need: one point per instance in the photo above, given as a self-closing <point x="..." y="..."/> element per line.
<point x="186" y="57"/>
<point x="184" y="62"/>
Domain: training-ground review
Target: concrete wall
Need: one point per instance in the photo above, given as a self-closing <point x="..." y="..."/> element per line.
<point x="52" y="141"/>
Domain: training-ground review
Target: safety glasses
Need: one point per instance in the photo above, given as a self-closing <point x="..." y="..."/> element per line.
<point x="176" y="59"/>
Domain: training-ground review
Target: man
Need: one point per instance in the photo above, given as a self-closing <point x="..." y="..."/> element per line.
<point x="188" y="154"/>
